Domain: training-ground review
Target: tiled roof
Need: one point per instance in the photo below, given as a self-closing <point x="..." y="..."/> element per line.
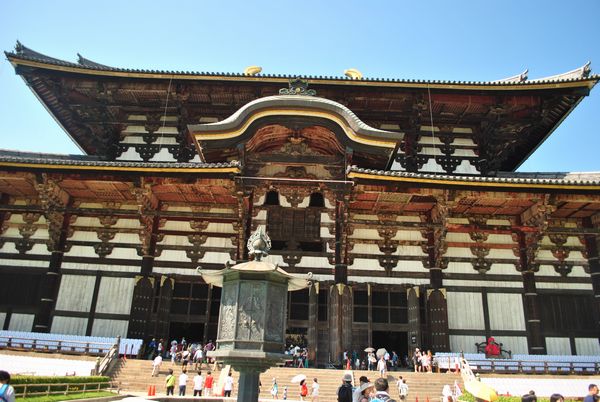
<point x="580" y="74"/>
<point x="578" y="179"/>
<point x="7" y="156"/>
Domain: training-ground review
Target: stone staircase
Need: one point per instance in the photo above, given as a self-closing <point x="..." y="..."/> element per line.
<point x="134" y="376"/>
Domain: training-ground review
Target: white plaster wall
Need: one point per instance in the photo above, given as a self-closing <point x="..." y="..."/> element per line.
<point x="132" y="238"/>
<point x="575" y="286"/>
<point x="410" y="251"/>
<point x="410" y="266"/>
<point x="21" y="322"/>
<point x="125" y="253"/>
<point x="490" y="282"/>
<point x="179" y="208"/>
<point x="69" y="325"/>
<point x="216" y="258"/>
<point x="75" y="293"/>
<point x="82" y="251"/>
<point x="110" y="328"/>
<point x="220" y="227"/>
<point x="173" y="240"/>
<point x="365" y="264"/>
<point x="516" y="344"/>
<point x="115" y="295"/>
<point x="2" y="319"/>
<point x="587" y="346"/>
<point x="315" y="262"/>
<point x="172" y="255"/>
<point x="558" y="346"/>
<point x="362" y="233"/>
<point x="129" y="155"/>
<point x="499" y="222"/>
<point x="466" y="168"/>
<point x="458" y="237"/>
<point x="163" y="156"/>
<point x="465" y="343"/>
<point x="413" y="235"/>
<point x="506" y="311"/>
<point x="571" y="241"/>
<point x="465" y="311"/>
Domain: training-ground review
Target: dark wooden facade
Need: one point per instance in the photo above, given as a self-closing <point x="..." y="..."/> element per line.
<point x="355" y="185"/>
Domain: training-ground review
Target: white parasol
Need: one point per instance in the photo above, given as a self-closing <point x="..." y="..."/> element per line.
<point x="381" y="352"/>
<point x="370" y="349"/>
<point x="299" y="378"/>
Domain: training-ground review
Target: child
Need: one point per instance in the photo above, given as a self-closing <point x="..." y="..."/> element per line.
<point x="285" y="392"/>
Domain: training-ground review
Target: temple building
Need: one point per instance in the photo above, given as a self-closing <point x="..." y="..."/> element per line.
<point x="400" y="196"/>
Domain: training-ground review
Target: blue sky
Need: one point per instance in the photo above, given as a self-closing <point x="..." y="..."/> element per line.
<point x="449" y="40"/>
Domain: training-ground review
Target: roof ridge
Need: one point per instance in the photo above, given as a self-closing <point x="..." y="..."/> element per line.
<point x="25" y="53"/>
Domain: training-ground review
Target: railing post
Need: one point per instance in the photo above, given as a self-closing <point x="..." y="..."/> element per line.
<point x="546" y="367"/>
<point x="9" y="343"/>
<point x="84" y="386"/>
<point x="493" y="366"/>
<point x="572" y="367"/>
<point x="520" y="366"/>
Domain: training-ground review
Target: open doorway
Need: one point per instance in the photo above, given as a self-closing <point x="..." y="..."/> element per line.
<point x="193" y="332"/>
<point x="392" y="341"/>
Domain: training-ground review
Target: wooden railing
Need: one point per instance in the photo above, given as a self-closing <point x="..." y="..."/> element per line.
<point x="55" y="345"/>
<point x="30" y="390"/>
<point x="520" y="365"/>
<point x="102" y="365"/>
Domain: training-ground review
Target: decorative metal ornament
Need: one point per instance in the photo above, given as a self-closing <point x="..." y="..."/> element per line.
<point x="259" y="244"/>
<point x="298" y="86"/>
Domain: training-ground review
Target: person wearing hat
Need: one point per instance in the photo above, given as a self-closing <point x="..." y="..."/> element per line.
<point x="356" y="395"/>
<point x="7" y="392"/>
<point x="344" y="392"/>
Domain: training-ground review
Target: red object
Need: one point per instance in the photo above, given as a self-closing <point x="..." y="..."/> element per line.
<point x="416" y="398"/>
<point x="492" y="348"/>
<point x="152" y="390"/>
<point x="427" y="399"/>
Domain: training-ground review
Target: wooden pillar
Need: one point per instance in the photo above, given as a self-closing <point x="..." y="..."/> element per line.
<point x="592" y="246"/>
<point x="313" y="312"/>
<point x="58" y="229"/>
<point x="143" y="292"/>
<point x="528" y="243"/>
<point x="340" y="320"/>
<point x="535" y="339"/>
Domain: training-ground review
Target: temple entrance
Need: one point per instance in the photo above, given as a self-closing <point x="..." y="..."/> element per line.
<point x="193" y="332"/>
<point x="392" y="341"/>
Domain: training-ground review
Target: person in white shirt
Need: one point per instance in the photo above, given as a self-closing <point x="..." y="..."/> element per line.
<point x="182" y="382"/>
<point x="228" y="387"/>
<point x="198" y="356"/>
<point x="402" y="388"/>
<point x="381" y="366"/>
<point x="315" y="390"/>
<point x="198" y="384"/>
<point x="156" y="365"/>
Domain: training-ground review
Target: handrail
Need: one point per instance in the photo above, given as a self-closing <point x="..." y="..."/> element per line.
<point x="60" y="345"/>
<point x="112" y="355"/>
<point x="522" y="366"/>
<point x="71" y="387"/>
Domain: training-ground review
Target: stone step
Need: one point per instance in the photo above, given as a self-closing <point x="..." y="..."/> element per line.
<point x="134" y="376"/>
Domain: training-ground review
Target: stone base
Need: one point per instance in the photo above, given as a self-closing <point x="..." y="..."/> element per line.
<point x="250" y="364"/>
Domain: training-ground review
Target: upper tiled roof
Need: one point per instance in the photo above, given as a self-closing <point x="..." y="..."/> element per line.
<point x="7" y="156"/>
<point x="570" y="179"/>
<point x="22" y="52"/>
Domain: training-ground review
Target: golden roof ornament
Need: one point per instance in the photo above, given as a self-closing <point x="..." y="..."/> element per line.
<point x="353" y="73"/>
<point x="252" y="70"/>
<point x="259" y="244"/>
